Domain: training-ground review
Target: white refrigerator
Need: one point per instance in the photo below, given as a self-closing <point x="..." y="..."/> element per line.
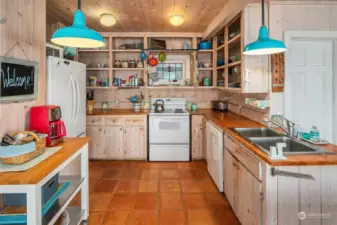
<point x="66" y="87"/>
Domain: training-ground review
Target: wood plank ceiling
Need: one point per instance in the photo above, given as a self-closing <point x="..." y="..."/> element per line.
<point x="138" y="15"/>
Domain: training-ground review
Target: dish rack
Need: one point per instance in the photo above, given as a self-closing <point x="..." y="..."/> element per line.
<point x="32" y="150"/>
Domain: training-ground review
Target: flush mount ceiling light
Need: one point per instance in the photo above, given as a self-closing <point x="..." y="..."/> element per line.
<point x="264" y="44"/>
<point x="108" y="20"/>
<point x="78" y="35"/>
<point x="177" y="20"/>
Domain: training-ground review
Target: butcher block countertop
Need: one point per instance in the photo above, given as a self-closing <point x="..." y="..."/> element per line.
<point x="230" y="120"/>
<point x="41" y="170"/>
<point x="117" y="112"/>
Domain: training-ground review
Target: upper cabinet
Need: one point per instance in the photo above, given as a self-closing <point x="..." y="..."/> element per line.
<point x="235" y="71"/>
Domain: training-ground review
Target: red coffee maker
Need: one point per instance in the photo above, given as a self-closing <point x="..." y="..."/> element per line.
<point x="47" y="120"/>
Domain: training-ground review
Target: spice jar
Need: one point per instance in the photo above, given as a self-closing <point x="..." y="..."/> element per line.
<point x="117" y="64"/>
<point x="125" y="64"/>
<point x="139" y="64"/>
<point x="132" y="64"/>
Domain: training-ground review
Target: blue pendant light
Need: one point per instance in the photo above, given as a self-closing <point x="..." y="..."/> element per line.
<point x="78" y="35"/>
<point x="264" y="44"/>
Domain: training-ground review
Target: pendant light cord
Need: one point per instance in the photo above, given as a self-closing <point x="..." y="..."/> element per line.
<point x="262" y="5"/>
<point x="79" y="5"/>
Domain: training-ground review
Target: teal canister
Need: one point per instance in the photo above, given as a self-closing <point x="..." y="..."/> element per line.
<point x="194" y="107"/>
<point x="206" y="81"/>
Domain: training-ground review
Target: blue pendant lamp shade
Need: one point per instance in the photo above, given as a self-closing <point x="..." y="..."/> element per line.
<point x="78" y="35"/>
<point x="264" y="44"/>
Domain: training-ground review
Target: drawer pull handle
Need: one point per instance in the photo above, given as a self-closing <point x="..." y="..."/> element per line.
<point x="274" y="172"/>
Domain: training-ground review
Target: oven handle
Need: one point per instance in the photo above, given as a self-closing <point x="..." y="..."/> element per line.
<point x="169" y="117"/>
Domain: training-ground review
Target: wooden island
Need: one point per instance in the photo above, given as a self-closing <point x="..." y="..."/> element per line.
<point x="29" y="182"/>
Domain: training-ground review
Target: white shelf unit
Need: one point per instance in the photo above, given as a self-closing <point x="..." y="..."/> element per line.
<point x="78" y="182"/>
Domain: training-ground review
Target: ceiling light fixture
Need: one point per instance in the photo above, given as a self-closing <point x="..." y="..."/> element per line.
<point x="108" y="20"/>
<point x="177" y="20"/>
<point x="78" y="35"/>
<point x="264" y="44"/>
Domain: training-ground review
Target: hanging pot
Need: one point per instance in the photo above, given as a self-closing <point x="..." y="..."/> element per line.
<point x="153" y="61"/>
<point x="143" y="55"/>
<point x="162" y="57"/>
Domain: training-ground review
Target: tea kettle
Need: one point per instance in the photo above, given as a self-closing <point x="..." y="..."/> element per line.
<point x="159" y="106"/>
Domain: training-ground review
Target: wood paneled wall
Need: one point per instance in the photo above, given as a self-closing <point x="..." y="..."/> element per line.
<point x="300" y="16"/>
<point x="23" y="36"/>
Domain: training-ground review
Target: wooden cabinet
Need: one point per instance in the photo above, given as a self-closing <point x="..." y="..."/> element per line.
<point x="230" y="178"/>
<point x="114" y="142"/>
<point x="198" y="127"/>
<point x="249" y="202"/>
<point x="134" y="143"/>
<point x="97" y="142"/>
<point x="117" y="137"/>
<point x="242" y="190"/>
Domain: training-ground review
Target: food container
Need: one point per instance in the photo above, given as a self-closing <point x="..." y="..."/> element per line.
<point x="139" y="64"/>
<point x="132" y="64"/>
<point x="125" y="64"/>
<point x="207" y="81"/>
<point x="205" y="45"/>
<point x="136" y="107"/>
<point x="117" y="64"/>
<point x="220" y="62"/>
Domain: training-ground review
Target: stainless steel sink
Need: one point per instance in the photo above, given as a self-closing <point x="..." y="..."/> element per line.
<point x="292" y="146"/>
<point x="257" y="132"/>
<point x="264" y="138"/>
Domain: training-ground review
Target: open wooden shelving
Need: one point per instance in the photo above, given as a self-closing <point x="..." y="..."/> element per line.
<point x="97" y="69"/>
<point x="235" y="39"/>
<point x="128" y="69"/>
<point x="234" y="64"/>
<point x="205" y="69"/>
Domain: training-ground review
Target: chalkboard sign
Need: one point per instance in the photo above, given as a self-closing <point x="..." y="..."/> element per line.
<point x="18" y="79"/>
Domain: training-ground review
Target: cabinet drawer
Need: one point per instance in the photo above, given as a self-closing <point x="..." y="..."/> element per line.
<point x="94" y="121"/>
<point x="244" y="156"/>
<point x="115" y="121"/>
<point x="135" y="121"/>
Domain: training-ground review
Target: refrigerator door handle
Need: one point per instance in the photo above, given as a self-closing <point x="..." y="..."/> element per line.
<point x="77" y="99"/>
<point x="74" y="99"/>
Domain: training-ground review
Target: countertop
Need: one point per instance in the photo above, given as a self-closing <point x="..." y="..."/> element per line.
<point x="117" y="112"/>
<point x="41" y="170"/>
<point x="229" y="120"/>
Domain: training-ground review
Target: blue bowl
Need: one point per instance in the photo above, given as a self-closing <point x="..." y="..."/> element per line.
<point x="205" y="45"/>
<point x="220" y="62"/>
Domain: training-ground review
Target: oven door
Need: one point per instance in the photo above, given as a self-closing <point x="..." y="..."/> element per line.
<point x="168" y="130"/>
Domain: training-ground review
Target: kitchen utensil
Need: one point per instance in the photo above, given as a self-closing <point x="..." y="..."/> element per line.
<point x="143" y="55"/>
<point x="162" y="57"/>
<point x="220" y="106"/>
<point x="220" y="62"/>
<point x="153" y="61"/>
<point x="207" y="65"/>
<point x="201" y="65"/>
<point x="207" y="81"/>
<point x="205" y="45"/>
<point x="159" y="106"/>
<point x="237" y="69"/>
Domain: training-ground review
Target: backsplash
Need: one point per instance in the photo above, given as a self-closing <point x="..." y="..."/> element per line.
<point x="237" y="105"/>
<point x="201" y="97"/>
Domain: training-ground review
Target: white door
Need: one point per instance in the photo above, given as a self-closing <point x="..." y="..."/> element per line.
<point x="309" y="85"/>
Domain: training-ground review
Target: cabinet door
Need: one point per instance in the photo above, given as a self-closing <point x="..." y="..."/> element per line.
<point x="96" y="144"/>
<point x="114" y="138"/>
<point x="249" y="203"/>
<point x="134" y="143"/>
<point x="197" y="141"/>
<point x="230" y="178"/>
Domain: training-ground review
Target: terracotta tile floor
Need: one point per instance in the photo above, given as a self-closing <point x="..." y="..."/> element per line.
<point x="154" y="193"/>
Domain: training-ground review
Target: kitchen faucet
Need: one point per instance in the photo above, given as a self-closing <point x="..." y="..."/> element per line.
<point x="289" y="129"/>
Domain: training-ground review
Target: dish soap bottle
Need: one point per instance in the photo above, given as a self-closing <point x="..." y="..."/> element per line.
<point x="314" y="134"/>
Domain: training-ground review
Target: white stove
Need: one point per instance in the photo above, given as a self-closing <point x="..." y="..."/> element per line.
<point x="169" y="131"/>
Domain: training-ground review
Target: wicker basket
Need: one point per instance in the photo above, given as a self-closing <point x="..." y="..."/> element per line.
<point x="40" y="148"/>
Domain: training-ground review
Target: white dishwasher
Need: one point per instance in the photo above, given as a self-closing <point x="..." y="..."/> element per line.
<point x="214" y="156"/>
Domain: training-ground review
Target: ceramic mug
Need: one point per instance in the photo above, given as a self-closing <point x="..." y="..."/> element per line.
<point x="194" y="107"/>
